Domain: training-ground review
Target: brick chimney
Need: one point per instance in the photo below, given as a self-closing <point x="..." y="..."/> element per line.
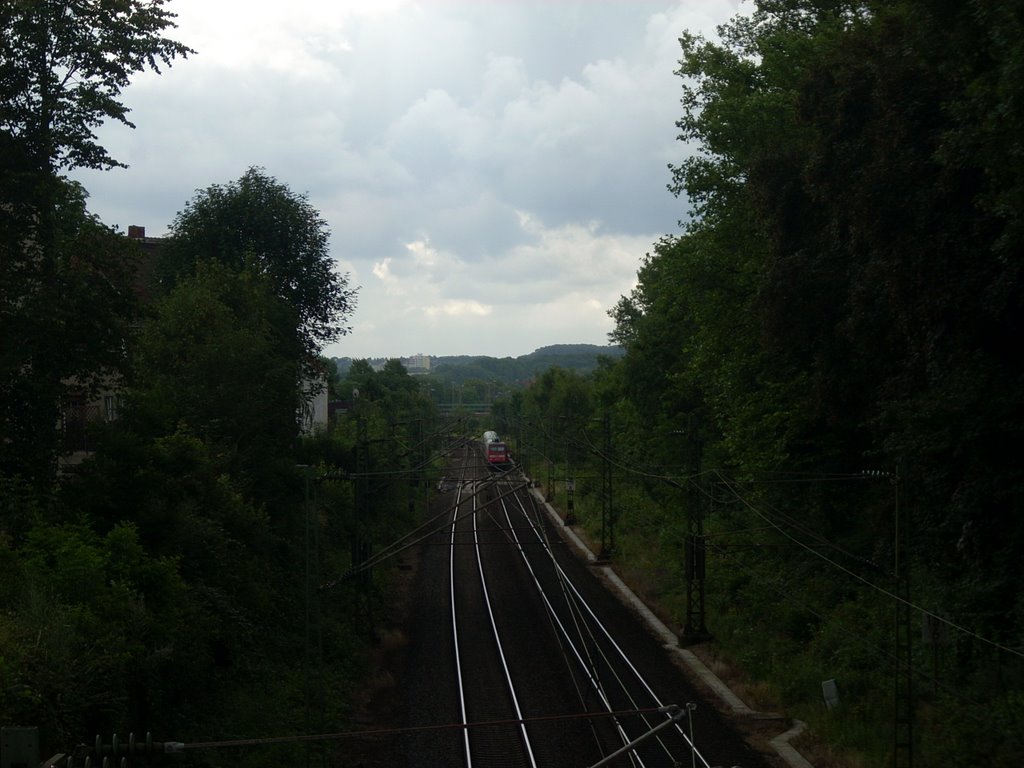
<point x="136" y="232"/>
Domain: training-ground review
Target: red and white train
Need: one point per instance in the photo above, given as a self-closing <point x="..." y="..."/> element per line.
<point x="496" y="452"/>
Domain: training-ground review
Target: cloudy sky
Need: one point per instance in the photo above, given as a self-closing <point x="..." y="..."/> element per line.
<point x="492" y="171"/>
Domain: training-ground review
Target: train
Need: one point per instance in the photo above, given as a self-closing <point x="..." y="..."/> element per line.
<point x="496" y="452"/>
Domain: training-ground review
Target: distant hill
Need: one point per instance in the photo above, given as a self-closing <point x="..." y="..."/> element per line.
<point x="575" y="350"/>
<point x="520" y="370"/>
<point x="509" y="370"/>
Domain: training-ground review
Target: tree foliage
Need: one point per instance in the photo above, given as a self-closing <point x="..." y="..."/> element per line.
<point x="844" y="296"/>
<point x="64" y="325"/>
<point x="212" y="358"/>
<point x="388" y="395"/>
<point x="63" y="284"/>
<point x="155" y="588"/>
<point x="257" y="223"/>
<point x="63" y="66"/>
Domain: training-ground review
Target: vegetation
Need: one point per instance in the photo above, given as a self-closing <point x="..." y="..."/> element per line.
<point x="64" y="316"/>
<point x="460" y="381"/>
<point x="62" y="69"/>
<point x="161" y="585"/>
<point x="818" y="394"/>
<point x="259" y="225"/>
<point x="820" y="370"/>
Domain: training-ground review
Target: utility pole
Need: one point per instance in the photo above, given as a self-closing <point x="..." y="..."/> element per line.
<point x="903" y="741"/>
<point x="570" y="488"/>
<point x="549" y="485"/>
<point x="313" y="667"/>
<point x="360" y="546"/>
<point x="694" y="628"/>
<point x="422" y="488"/>
<point x="570" y="481"/>
<point x="521" y="444"/>
<point x="607" y="508"/>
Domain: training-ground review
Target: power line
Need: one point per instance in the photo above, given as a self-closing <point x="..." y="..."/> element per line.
<point x="882" y="590"/>
<point x="782" y="477"/>
<point x="792" y="477"/>
<point x="855" y="634"/>
<point x="822" y="540"/>
<point x="408" y="730"/>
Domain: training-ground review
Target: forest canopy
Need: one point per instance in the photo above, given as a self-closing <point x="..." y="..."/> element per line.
<point x="846" y="295"/>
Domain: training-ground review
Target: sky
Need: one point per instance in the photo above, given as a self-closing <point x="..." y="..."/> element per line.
<point x="492" y="171"/>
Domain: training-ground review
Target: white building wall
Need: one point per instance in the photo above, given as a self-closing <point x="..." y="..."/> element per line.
<point x="314" y="407"/>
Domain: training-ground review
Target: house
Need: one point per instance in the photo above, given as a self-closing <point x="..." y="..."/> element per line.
<point x="86" y="406"/>
<point x="314" y="407"/>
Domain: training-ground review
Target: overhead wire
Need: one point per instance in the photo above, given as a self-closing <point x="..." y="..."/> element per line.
<point x="401" y="544"/>
<point x="542" y="533"/>
<point x="791" y="477"/>
<point x="882" y="590"/>
<point x="405" y="542"/>
<point x="796" y="524"/>
<point x="270" y="740"/>
<point x="855" y="634"/>
<point x="588" y="642"/>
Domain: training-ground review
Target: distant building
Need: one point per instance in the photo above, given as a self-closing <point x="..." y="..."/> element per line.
<point x="417" y="364"/>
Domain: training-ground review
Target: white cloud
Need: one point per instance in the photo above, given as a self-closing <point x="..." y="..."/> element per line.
<point x="492" y="173"/>
<point x="423" y="255"/>
<point x="382" y="270"/>
<point x="458" y="308"/>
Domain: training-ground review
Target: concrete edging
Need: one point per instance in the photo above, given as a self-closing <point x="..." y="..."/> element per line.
<point x="787" y="751"/>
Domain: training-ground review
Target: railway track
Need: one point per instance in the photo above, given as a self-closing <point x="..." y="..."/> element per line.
<point x="487" y="691"/>
<point x="655" y="734"/>
<point x="534" y="663"/>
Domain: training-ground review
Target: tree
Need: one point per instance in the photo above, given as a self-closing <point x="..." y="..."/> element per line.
<point x="258" y="223"/>
<point x="63" y="66"/>
<point x="67" y="331"/>
<point x="213" y="358"/>
<point x="843" y="297"/>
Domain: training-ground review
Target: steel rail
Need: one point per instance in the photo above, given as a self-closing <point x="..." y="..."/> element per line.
<point x="585" y="633"/>
<point x="586" y="664"/>
<point x="455" y="625"/>
<point x="497" y="639"/>
<point x="581" y="601"/>
<point x="469" y="491"/>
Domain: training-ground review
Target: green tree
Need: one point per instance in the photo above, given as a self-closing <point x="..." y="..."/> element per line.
<point x="360" y="381"/>
<point x="391" y="393"/>
<point x="84" y="628"/>
<point x="258" y="223"/>
<point x="843" y="297"/>
<point x="213" y="357"/>
<point x="558" y="394"/>
<point x="912" y="190"/>
<point x="212" y="630"/>
<point x="62" y="69"/>
<point x="64" y="335"/>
